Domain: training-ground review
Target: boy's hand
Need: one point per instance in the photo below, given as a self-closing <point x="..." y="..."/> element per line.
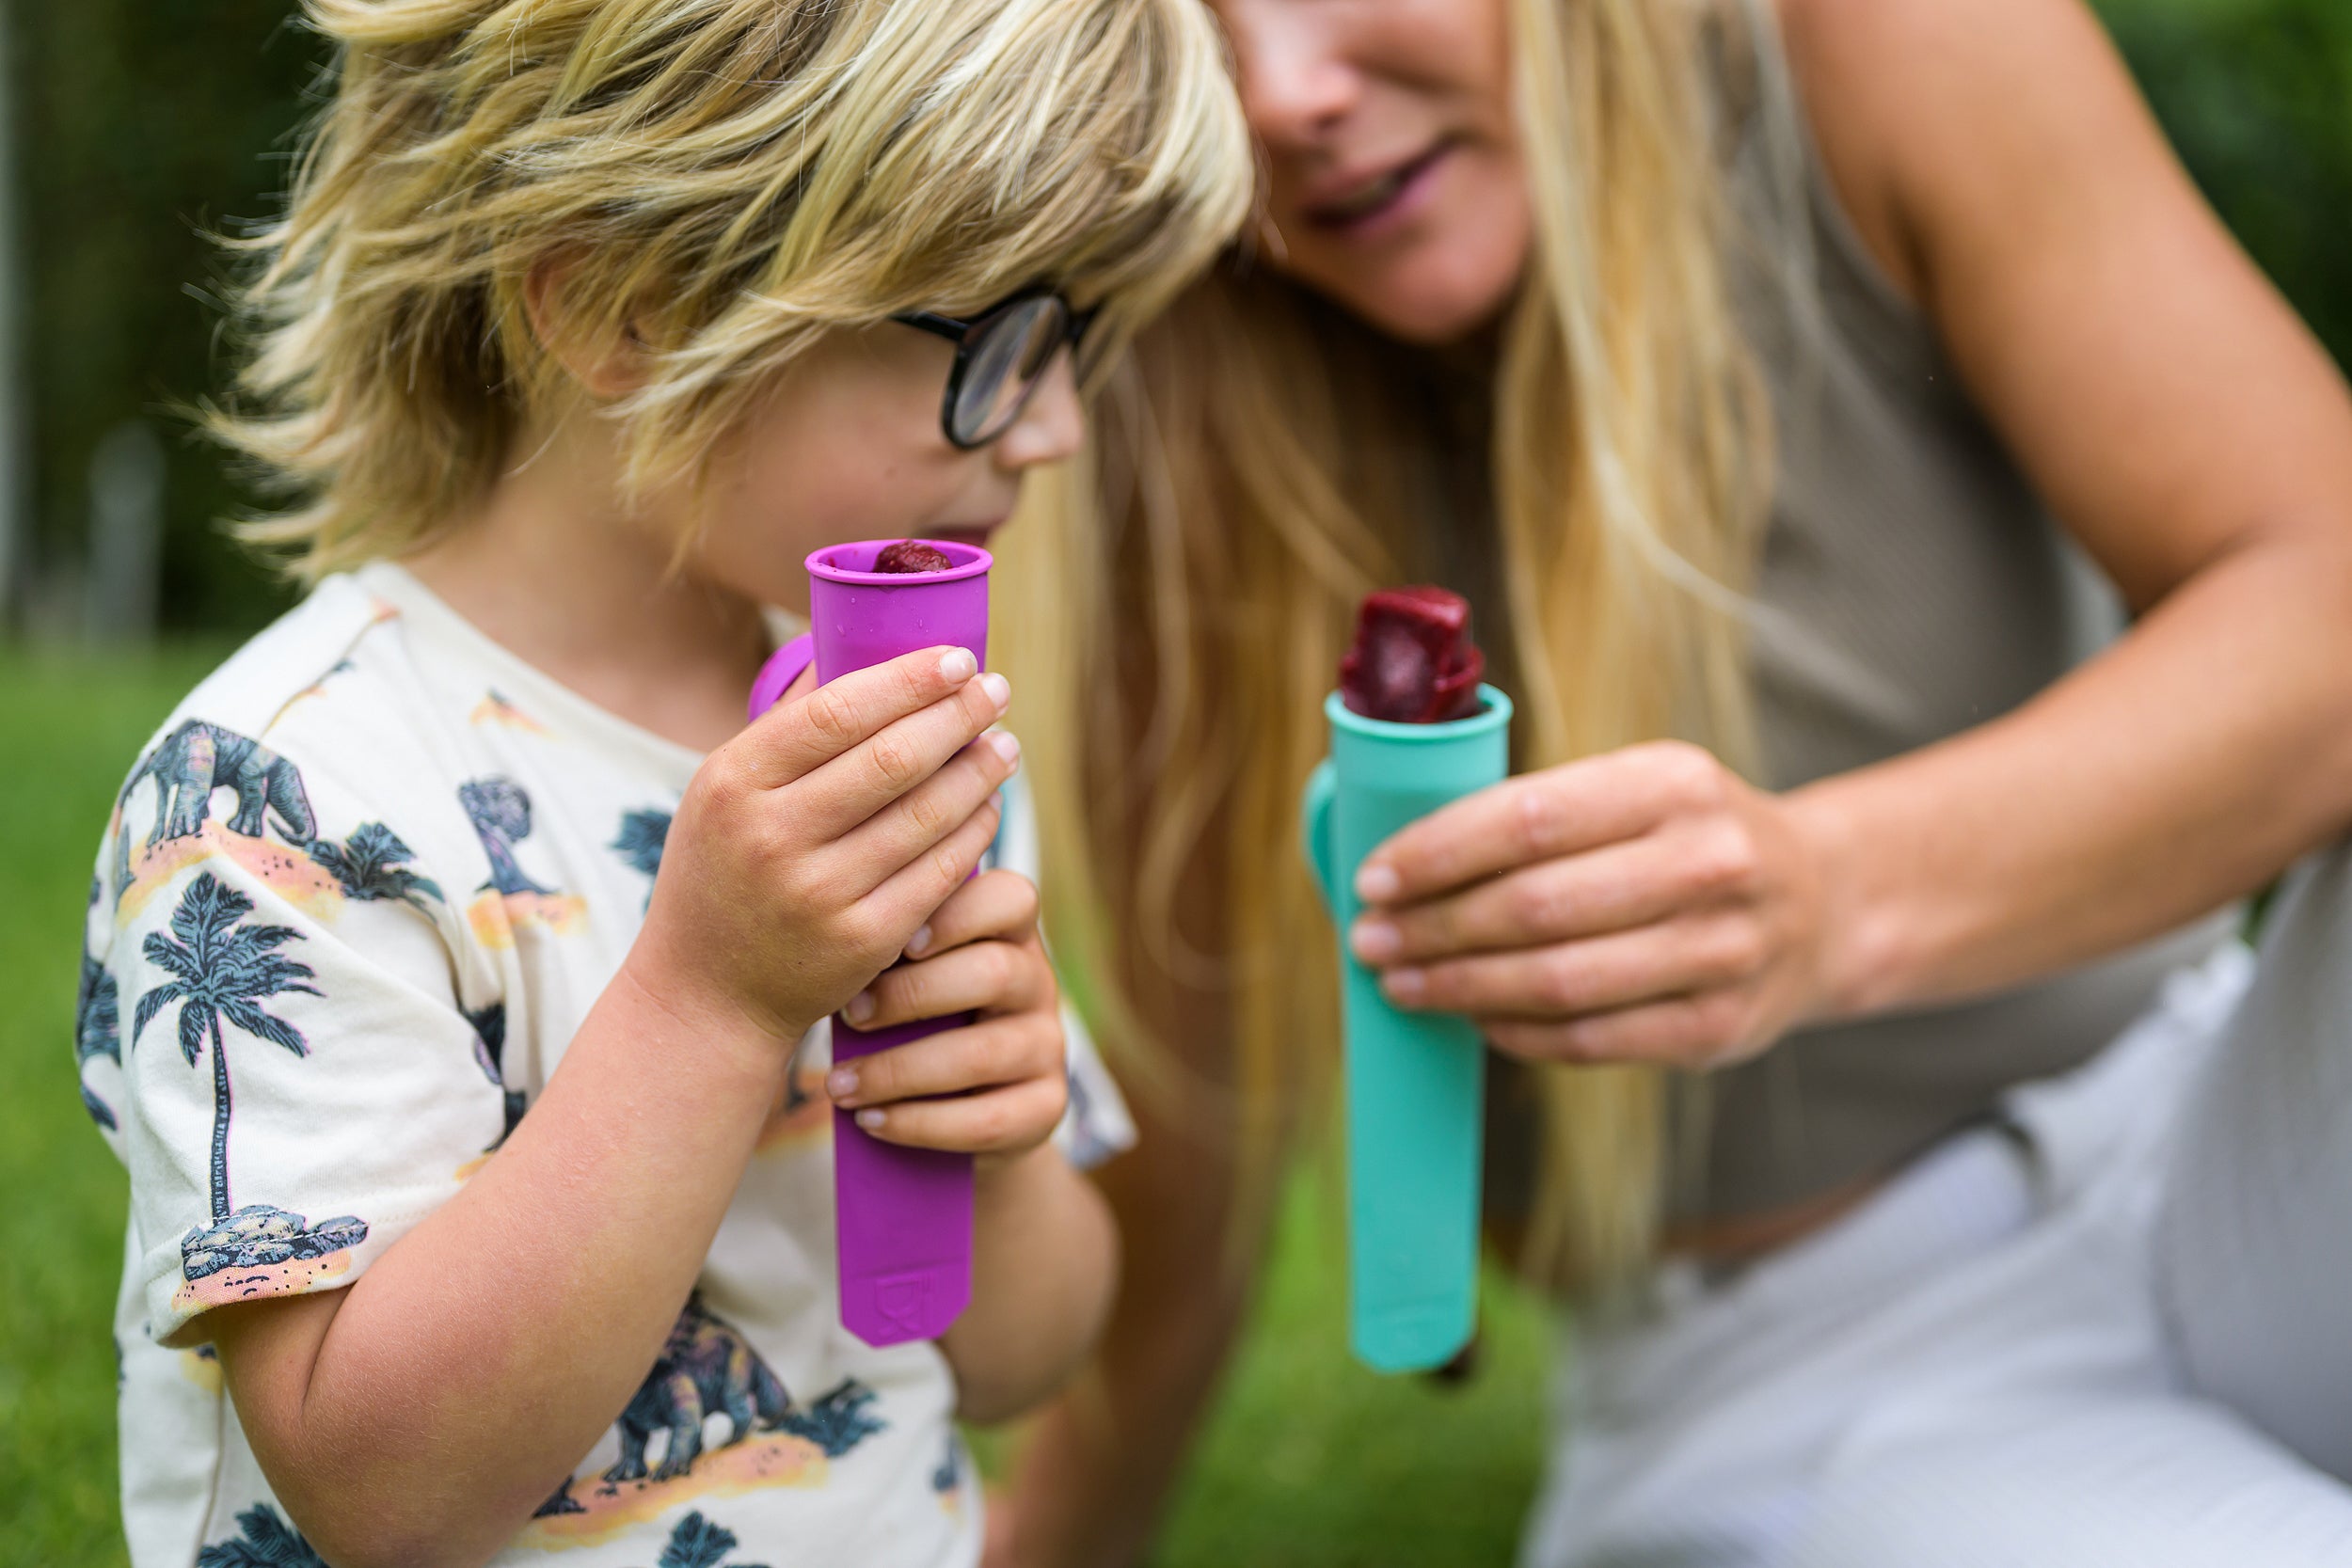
<point x="809" y="850"/>
<point x="996" y="1086"/>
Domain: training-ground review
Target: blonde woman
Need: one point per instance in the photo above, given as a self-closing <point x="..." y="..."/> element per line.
<point x="469" y="1067"/>
<point x="1756" y="370"/>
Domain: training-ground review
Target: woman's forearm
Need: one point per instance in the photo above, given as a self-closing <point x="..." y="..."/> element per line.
<point x="1095" y="1471"/>
<point x="1096" y="1467"/>
<point x="421" y="1415"/>
<point x="2183" y="768"/>
<point x="1045" y="1264"/>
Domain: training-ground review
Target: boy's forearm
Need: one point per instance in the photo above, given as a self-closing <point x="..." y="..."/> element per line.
<point x="1045" y="1269"/>
<point x="452" y="1387"/>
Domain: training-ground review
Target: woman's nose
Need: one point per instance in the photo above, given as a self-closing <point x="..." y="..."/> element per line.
<point x="1295" y="84"/>
<point x="1052" y="425"/>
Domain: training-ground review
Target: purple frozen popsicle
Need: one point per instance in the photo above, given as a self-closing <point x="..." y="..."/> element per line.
<point x="903" y="1217"/>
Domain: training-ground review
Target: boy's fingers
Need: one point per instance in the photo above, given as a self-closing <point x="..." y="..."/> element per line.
<point x="898" y="763"/>
<point x="1002" y="1121"/>
<point x="815" y="725"/>
<point x="925" y="815"/>
<point x="988" y="976"/>
<point x="995" y="1052"/>
<point x="1000" y="906"/>
<point x="914" y="895"/>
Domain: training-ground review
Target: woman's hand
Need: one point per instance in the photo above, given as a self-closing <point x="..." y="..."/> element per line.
<point x="996" y="1086"/>
<point x="1643" y="906"/>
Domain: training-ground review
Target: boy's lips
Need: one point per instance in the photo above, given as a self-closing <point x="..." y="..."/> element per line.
<point x="975" y="535"/>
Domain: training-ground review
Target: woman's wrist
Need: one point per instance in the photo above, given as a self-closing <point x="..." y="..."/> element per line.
<point x="1861" y="952"/>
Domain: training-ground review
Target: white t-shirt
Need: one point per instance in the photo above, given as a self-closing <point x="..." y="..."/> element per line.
<point x="351" y="906"/>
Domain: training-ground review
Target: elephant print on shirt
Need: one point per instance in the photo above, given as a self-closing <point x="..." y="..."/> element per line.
<point x="198" y="758"/>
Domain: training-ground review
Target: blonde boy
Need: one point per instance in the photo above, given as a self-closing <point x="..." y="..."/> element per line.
<point x="452" y="947"/>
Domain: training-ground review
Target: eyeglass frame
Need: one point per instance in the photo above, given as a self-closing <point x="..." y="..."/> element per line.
<point x="962" y="332"/>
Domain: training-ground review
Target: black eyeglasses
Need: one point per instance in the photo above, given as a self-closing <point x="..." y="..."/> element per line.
<point x="1002" y="357"/>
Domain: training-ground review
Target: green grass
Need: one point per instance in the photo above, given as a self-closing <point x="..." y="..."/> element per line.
<point x="68" y="732"/>
<point x="1311" y="1462"/>
<point x="1308" y="1463"/>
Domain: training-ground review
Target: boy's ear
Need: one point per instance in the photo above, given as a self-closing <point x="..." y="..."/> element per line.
<point x="606" y="365"/>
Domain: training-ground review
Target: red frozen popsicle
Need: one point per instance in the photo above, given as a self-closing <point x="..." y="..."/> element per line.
<point x="909" y="557"/>
<point x="1413" y="661"/>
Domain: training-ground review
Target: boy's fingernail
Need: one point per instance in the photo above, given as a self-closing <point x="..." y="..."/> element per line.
<point x="1008" y="748"/>
<point x="1376" y="942"/>
<point x="841" y="1083"/>
<point x="957" y="665"/>
<point x="860" y="1008"/>
<point x="870" y="1120"/>
<point x="1405" y="985"/>
<point x="1376" y="884"/>
<point x="918" y="942"/>
<point x="999" y="688"/>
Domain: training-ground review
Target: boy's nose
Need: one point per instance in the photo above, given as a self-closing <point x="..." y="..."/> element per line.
<point x="1051" y="428"/>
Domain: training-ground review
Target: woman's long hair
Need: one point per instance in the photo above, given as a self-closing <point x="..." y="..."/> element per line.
<point x="1265" y="460"/>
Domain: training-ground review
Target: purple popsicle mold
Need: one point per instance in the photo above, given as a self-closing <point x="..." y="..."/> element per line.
<point x="902" y="1216"/>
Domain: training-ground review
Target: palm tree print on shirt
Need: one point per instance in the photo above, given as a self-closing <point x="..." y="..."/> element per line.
<point x="263" y="1540"/>
<point x="696" y="1543"/>
<point x="500" y="811"/>
<point x="224" y="969"/>
<point x="372" y="866"/>
<point x="97" y="1031"/>
<point x="644" y="834"/>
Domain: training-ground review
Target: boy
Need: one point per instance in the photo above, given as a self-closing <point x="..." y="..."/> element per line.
<point x="484" y="1207"/>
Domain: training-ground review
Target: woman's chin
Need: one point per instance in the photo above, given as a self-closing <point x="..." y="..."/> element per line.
<point x="1434" y="297"/>
<point x="1432" y="318"/>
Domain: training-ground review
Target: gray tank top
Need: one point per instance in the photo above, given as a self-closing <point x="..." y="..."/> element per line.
<point x="1911" y="587"/>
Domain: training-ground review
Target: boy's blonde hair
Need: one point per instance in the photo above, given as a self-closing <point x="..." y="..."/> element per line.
<point x="725" y="179"/>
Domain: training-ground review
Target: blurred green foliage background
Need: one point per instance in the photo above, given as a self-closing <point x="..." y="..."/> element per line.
<point x="142" y="124"/>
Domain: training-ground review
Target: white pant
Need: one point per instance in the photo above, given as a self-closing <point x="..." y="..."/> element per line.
<point x="2117" y="1332"/>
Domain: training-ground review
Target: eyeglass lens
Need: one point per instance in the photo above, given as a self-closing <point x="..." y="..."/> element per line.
<point x="1007" y="356"/>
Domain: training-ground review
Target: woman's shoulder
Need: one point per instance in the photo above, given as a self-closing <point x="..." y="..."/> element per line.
<point x="1922" y="107"/>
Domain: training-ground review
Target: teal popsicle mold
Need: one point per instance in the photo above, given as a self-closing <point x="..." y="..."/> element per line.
<point x="1415" y="1083"/>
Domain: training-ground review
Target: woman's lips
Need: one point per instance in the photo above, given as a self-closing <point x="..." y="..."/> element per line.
<point x="1376" y="202"/>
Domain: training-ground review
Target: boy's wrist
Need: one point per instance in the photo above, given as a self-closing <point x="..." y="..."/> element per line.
<point x="716" y="1023"/>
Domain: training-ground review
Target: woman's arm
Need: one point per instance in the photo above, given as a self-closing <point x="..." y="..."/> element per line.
<point x="1096" y="1467"/>
<point x="2185" y="427"/>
